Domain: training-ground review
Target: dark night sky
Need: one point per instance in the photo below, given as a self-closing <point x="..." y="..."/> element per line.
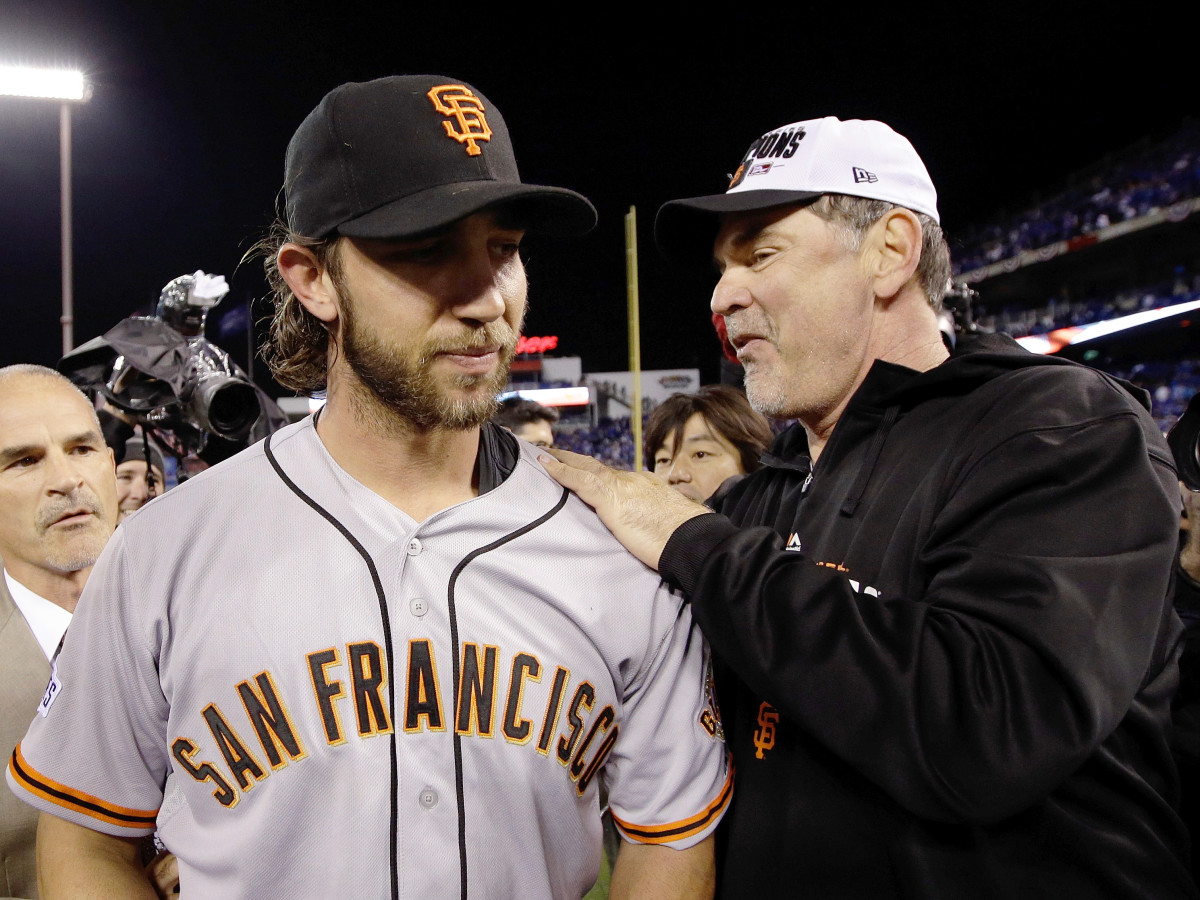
<point x="179" y="155"/>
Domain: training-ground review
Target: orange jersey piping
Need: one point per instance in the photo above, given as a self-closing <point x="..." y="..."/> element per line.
<point x="61" y="795"/>
<point x="673" y="831"/>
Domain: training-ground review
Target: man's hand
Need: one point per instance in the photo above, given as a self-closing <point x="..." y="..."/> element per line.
<point x="163" y="872"/>
<point x="638" y="508"/>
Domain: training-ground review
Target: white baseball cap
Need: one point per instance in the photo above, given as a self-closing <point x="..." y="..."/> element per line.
<point x="796" y="164"/>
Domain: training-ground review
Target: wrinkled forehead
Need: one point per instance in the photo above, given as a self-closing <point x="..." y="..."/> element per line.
<point x="737" y="229"/>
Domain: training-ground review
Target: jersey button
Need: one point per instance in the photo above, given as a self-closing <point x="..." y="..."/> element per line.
<point x="418" y="607"/>
<point x="428" y="798"/>
<point x="414" y="547"/>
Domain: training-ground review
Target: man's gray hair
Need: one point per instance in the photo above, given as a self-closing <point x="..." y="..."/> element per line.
<point x="18" y="370"/>
<point x="852" y="217"/>
<point x="32" y="370"/>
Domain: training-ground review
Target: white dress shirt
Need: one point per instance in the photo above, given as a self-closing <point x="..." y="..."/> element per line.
<point x="48" y="621"/>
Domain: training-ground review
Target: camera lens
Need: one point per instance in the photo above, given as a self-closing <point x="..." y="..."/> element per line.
<point x="225" y="406"/>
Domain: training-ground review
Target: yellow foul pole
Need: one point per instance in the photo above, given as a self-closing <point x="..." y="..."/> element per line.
<point x="635" y="338"/>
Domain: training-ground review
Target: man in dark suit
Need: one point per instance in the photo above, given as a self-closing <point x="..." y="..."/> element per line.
<point x="58" y="507"/>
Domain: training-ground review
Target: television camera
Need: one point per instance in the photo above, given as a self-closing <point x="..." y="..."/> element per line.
<point x="161" y="373"/>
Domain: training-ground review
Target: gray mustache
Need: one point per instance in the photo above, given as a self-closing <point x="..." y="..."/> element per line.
<point x="77" y="499"/>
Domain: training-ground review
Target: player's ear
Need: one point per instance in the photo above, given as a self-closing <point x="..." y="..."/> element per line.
<point x="894" y="250"/>
<point x="309" y="281"/>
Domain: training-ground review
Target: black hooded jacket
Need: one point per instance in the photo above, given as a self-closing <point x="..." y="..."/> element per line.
<point x="949" y="646"/>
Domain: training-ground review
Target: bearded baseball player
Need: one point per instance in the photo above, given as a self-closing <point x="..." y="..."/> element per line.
<point x="405" y="667"/>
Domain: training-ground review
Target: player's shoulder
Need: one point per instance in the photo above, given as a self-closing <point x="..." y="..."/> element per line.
<point x="224" y="485"/>
<point x="575" y="520"/>
<point x="529" y="476"/>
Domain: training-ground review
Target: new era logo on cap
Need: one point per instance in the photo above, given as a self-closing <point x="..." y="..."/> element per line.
<point x="862" y="176"/>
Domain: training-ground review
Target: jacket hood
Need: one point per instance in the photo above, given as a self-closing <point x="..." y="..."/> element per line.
<point x="977" y="359"/>
<point x="890" y="389"/>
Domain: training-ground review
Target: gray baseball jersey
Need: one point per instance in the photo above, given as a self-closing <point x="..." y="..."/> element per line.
<point x="309" y="694"/>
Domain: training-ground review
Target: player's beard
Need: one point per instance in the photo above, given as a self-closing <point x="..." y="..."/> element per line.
<point x="400" y="377"/>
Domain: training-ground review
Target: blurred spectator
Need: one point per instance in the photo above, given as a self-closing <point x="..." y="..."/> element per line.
<point x="528" y="420"/>
<point x="1063" y="311"/>
<point x="699" y="441"/>
<point x="137" y="485"/>
<point x="610" y="441"/>
<point x="1171" y="384"/>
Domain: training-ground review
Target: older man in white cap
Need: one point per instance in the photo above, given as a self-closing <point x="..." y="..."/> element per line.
<point x="943" y="604"/>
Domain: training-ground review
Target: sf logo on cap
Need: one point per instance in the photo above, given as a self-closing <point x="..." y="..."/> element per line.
<point x="458" y="103"/>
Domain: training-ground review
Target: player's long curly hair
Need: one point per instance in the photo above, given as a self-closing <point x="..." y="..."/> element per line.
<point x="297" y="348"/>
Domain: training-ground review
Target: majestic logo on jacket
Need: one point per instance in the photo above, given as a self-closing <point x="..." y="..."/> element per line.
<point x="858" y="586"/>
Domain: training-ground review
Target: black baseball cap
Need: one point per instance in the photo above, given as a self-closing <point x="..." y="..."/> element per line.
<point x="399" y="156"/>
<point x="134" y="450"/>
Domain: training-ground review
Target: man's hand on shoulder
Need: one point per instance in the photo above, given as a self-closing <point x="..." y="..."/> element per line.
<point x="641" y="511"/>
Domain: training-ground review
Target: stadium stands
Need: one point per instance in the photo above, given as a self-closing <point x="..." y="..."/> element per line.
<point x="1126" y="186"/>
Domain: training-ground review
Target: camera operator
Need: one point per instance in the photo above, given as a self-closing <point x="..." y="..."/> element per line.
<point x="1185" y="707"/>
<point x="1184" y="441"/>
<point x="137" y="482"/>
<point x="160" y="372"/>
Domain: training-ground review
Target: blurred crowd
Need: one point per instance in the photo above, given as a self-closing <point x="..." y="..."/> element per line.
<point x="1147" y="176"/>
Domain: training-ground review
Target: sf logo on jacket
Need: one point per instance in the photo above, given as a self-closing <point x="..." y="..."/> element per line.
<point x="764" y="736"/>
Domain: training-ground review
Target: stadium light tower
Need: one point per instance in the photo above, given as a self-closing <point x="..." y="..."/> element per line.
<point x="66" y="86"/>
